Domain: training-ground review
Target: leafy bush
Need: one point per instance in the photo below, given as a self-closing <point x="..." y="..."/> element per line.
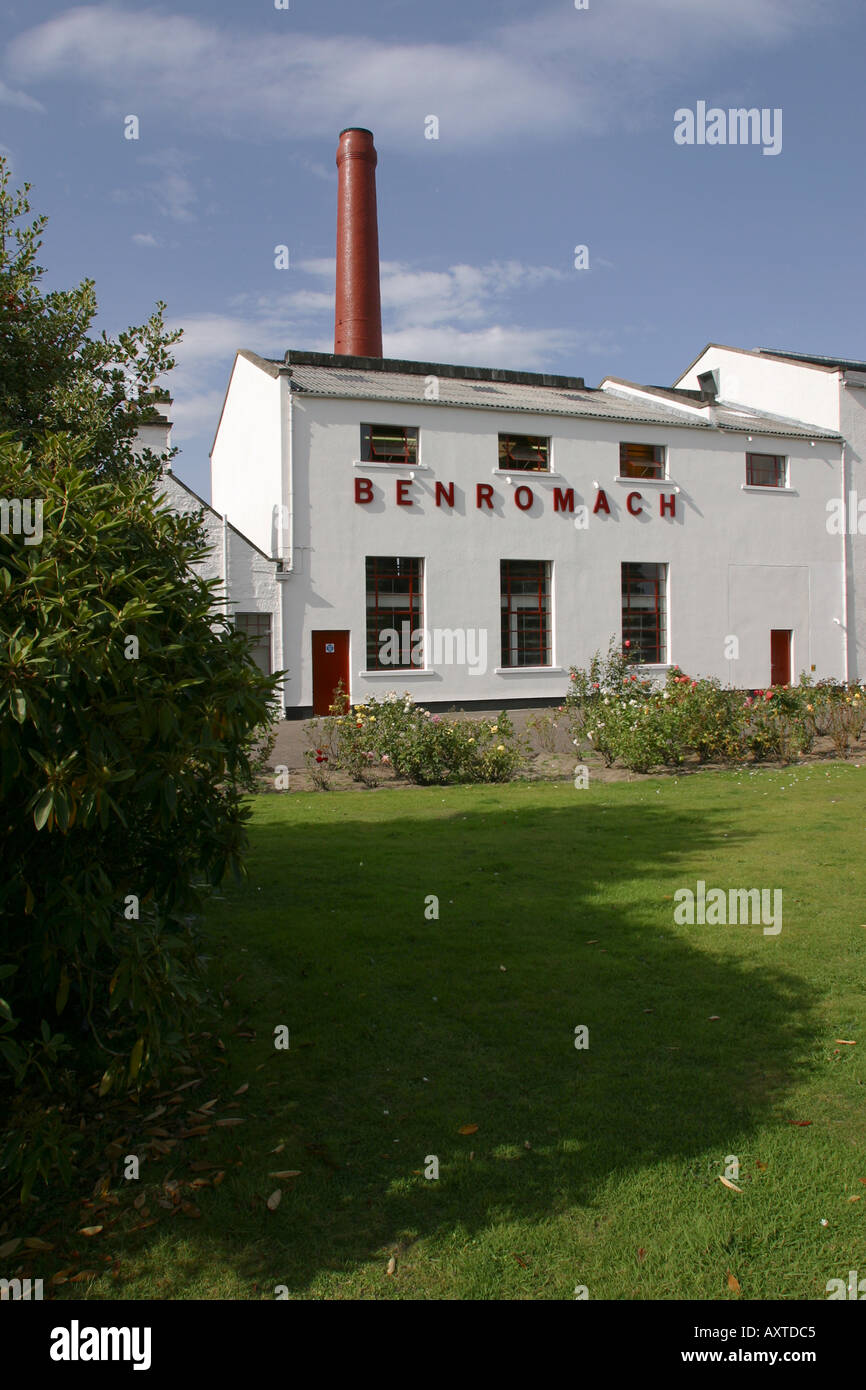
<point x="131" y="723"/>
<point x="423" y="747"/>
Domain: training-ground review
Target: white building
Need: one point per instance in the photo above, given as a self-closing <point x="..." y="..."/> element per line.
<point x="468" y="534"/>
<point x="830" y="392"/>
<point x="521" y="521"/>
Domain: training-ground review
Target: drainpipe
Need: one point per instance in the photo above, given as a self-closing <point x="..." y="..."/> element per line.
<point x="846" y="555"/>
<point x="225" y="563"/>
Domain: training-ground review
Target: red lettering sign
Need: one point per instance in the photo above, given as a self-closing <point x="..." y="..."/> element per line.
<point x="402" y="499"/>
<point x="524" y="506"/>
<point x="445" y="490"/>
<point x="363" y="490"/>
<point x="563" y="501"/>
<point x="628" y="503"/>
<point x="484" y="493"/>
<point x="601" y="503"/>
<point x="668" y="502"/>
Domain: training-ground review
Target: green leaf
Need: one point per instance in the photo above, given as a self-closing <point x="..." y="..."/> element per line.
<point x="62" y="991"/>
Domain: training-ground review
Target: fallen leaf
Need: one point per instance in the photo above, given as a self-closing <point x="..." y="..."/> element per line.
<point x="468" y="1129"/>
<point x="234" y="1120"/>
<point x="278" y="1149"/>
<point x="846" y="1042"/>
<point x="759" y="1164"/>
<point x="392" y="1265"/>
<point x="729" y="1184"/>
<point x="521" y="1261"/>
<point x="286" y="1173"/>
<point x="801" y="1123"/>
<point x="217" y="1178"/>
<point x="90" y="1230"/>
<point x="12" y="1245"/>
<point x="84" y="1274"/>
<point x="140" y="1201"/>
<point x="241" y="1089"/>
<point x="160" y="1110"/>
<point x="593" y="943"/>
<point x="190" y="1209"/>
<point x="714" y="1018"/>
<point x="733" y="1283"/>
<point x="274" y="1200"/>
<point x="34" y="1243"/>
<point x="207" y="1105"/>
<point x="641" y="1253"/>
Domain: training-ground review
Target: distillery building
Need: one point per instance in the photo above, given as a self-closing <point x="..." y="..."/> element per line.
<point x="468" y="534"/>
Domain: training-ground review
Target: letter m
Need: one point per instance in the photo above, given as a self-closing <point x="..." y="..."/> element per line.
<point x="444" y="655"/>
<point x="740" y="119"/>
<point x="563" y="501"/>
<point x="745" y="901"/>
<point x="5" y="506"/>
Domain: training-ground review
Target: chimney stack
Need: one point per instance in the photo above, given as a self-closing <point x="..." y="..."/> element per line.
<point x="358" y="317"/>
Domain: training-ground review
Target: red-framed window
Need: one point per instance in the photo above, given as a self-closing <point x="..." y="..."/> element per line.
<point x="389" y="444"/>
<point x="395" y="611"/>
<point x="524" y="453"/>
<point x="525" y="609"/>
<point x="766" y="470"/>
<point x="641" y="460"/>
<point x="644" y="611"/>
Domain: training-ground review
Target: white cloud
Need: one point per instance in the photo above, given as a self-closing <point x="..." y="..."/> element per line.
<point x="171" y="194"/>
<point x="144" y="239"/>
<point x="9" y="97"/>
<point x="462" y="314"/>
<point x="562" y="71"/>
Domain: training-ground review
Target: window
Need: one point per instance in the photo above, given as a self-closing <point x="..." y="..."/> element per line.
<point x="257" y="627"/>
<point x="395" y="611"/>
<point x="641" y="460"/>
<point x="389" y="444"/>
<point x="644" y="612"/>
<point x="525" y="453"/>
<point x="765" y="470"/>
<point x="525" y="603"/>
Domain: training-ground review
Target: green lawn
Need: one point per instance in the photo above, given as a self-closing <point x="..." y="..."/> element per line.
<point x="593" y="1167"/>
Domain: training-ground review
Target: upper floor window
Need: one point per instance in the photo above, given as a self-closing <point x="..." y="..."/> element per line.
<point x="641" y="460"/>
<point x="389" y="444"/>
<point x="765" y="470"/>
<point x="525" y="453"/>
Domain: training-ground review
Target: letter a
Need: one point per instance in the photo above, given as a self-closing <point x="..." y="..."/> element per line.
<point x="431" y="908"/>
<point x="281" y="1038"/>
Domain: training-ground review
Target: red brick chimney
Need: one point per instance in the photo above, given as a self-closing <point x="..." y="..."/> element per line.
<point x="358" y="318"/>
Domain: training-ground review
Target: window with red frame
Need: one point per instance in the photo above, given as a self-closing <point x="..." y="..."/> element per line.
<point x="395" y="604"/>
<point x="524" y="453"/>
<point x="389" y="444"/>
<point x="765" y="470"/>
<point x="641" y="461"/>
<point x="525" y="610"/>
<point x="644" y="612"/>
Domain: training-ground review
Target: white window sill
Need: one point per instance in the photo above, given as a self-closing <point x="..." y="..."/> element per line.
<point x="398" y="672"/>
<point x="392" y="467"/>
<point x="528" y="670"/>
<point x="653" y="482"/>
<point x="524" y="473"/>
<point x="763" y="487"/>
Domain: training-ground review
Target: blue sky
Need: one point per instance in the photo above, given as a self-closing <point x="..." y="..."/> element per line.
<point x="556" y="128"/>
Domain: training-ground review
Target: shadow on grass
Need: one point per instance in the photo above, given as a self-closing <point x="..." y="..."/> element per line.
<point x="404" y="1029"/>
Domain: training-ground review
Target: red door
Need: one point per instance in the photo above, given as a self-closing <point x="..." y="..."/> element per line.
<point x="330" y="666"/>
<point x="780" y="656"/>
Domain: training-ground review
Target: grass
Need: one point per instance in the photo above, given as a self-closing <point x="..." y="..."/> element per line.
<point x="595" y="1167"/>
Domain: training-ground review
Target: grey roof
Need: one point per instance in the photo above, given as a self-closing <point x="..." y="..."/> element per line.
<point x="848" y="364"/>
<point x="321" y="378"/>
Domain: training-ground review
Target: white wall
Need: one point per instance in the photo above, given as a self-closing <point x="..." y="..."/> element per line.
<point x="740" y="562"/>
<point x="246" y="456"/>
<point x="790" y="389"/>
